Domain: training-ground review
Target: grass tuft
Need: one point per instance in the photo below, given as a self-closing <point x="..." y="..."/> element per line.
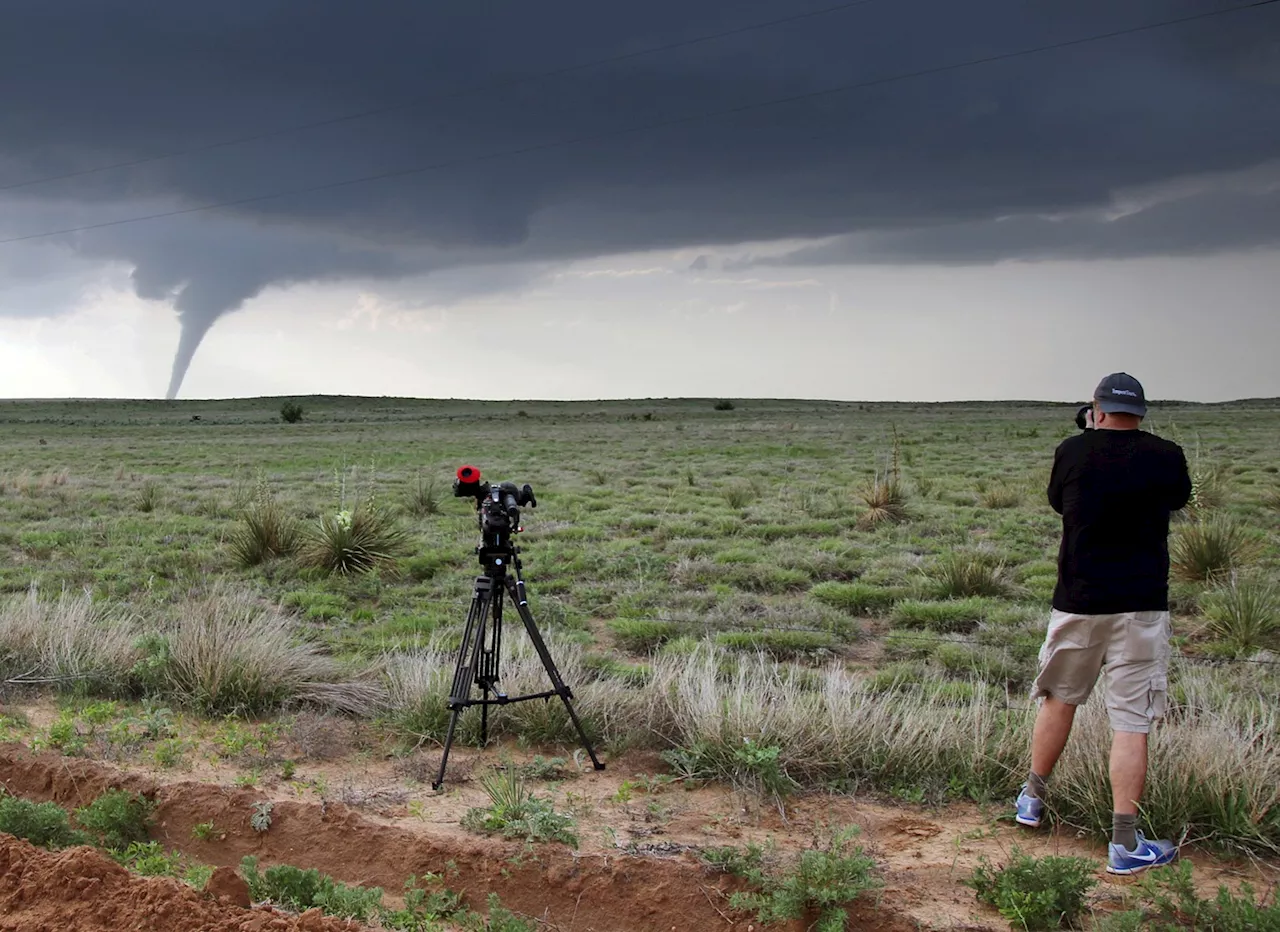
<point x="515" y="812"/>
<point x="1035" y="893"/>
<point x="266" y="532"/>
<point x="959" y="575"/>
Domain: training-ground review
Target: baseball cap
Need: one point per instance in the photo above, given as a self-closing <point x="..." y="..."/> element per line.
<point x="1121" y="393"/>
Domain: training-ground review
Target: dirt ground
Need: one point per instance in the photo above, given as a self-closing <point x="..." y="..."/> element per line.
<point x="373" y="820"/>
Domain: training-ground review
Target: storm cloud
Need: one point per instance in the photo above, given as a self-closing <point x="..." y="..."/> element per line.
<point x="740" y="139"/>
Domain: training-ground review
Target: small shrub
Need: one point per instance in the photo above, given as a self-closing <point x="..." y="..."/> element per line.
<point x="150" y="859"/>
<point x="43" y="824"/>
<point x="1210" y="549"/>
<point x="266" y="531"/>
<point x="204" y="831"/>
<point x="857" y="598"/>
<point x="291" y="412"/>
<point x="1245" y="615"/>
<point x="643" y="634"/>
<point x="1035" y="893"/>
<point x="886" y="503"/>
<point x="355" y="542"/>
<point x="724" y="404"/>
<point x="822" y="879"/>
<point x="960" y="575"/>
<point x="300" y="890"/>
<point x="515" y="812"/>
<point x="117" y="818"/>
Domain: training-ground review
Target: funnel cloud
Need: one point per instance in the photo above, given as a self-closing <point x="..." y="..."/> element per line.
<point x="1162" y="142"/>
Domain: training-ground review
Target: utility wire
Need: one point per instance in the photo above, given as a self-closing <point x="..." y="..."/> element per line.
<point x="446" y="95"/>
<point x="645" y="127"/>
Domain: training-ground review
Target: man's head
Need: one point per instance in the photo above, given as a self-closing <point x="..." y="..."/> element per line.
<point x="1119" y="403"/>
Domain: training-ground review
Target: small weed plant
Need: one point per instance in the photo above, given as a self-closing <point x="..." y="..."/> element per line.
<point x="1035" y="893"/>
<point x="1168" y="902"/>
<point x="423" y="498"/>
<point x="515" y="812"/>
<point x="823" y="880"/>
<point x="886" y="503"/>
<point x="291" y="412"/>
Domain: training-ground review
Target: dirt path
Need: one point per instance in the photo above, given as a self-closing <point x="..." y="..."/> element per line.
<point x="632" y="873"/>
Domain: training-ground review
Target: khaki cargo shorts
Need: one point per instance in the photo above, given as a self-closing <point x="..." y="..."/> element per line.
<point x="1134" y="649"/>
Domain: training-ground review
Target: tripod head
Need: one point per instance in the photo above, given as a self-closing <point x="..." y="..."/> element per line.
<point x="497" y="508"/>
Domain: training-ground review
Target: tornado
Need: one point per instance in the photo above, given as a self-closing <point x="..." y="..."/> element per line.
<point x="193" y="331"/>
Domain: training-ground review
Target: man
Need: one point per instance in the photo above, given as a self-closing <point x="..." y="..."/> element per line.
<point x="1115" y="486"/>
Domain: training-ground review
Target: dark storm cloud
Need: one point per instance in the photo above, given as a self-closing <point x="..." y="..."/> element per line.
<point x="896" y="169"/>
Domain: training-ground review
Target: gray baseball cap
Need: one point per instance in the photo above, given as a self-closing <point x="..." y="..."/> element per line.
<point x="1121" y="393"/>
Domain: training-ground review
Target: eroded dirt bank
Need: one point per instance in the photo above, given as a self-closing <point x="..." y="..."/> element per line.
<point x="564" y="890"/>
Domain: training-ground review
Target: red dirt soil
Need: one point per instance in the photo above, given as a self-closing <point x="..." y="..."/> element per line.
<point x="80" y="890"/>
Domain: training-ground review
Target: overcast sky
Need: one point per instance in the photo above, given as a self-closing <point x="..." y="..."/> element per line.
<point x="585" y="200"/>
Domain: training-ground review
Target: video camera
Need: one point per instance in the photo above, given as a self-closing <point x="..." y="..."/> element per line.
<point x="1083" y="420"/>
<point x="498" y="505"/>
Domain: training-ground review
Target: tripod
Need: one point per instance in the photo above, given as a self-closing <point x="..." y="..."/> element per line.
<point x="481" y="648"/>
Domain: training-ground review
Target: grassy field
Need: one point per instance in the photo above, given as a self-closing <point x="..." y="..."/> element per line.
<point x="882" y="572"/>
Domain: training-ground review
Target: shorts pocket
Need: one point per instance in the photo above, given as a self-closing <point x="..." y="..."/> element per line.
<point x="1146" y="637"/>
<point x="1157" y="698"/>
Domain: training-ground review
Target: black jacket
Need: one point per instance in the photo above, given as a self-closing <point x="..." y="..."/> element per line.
<point x="1115" y="490"/>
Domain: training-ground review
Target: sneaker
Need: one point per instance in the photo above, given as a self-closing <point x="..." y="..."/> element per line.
<point x="1030" y="809"/>
<point x="1148" y="854"/>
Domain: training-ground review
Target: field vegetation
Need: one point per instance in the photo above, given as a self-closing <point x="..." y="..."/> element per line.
<point x="781" y="595"/>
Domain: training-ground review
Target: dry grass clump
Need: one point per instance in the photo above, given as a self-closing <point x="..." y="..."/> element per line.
<point x="1210" y="548"/>
<point x="68" y="641"/>
<point x="886" y="502"/>
<point x="229" y="654"/>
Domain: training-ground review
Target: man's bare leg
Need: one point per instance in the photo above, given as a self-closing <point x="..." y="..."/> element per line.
<point x="1128" y="778"/>
<point x="1053" y="727"/>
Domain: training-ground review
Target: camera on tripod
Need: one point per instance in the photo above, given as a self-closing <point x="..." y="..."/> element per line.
<point x="498" y="505"/>
<point x="480" y="651"/>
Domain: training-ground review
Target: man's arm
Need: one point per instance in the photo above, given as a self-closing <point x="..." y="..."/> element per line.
<point x="1180" y="481"/>
<point x="1056" y="477"/>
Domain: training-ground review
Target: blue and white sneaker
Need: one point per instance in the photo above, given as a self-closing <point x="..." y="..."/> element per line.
<point x="1030" y="809"/>
<point x="1148" y="854"/>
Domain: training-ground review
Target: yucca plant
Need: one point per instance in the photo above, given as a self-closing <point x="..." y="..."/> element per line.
<point x="886" y="502"/>
<point x="1245" y="615"/>
<point x="356" y="541"/>
<point x="266" y="531"/>
<point x="1210" y="548"/>
<point x="960" y="575"/>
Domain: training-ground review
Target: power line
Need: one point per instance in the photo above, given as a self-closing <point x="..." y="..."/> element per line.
<point x="449" y="95"/>
<point x="645" y="127"/>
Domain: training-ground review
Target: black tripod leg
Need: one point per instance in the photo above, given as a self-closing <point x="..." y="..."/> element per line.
<point x="516" y="590"/>
<point x="469" y="656"/>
